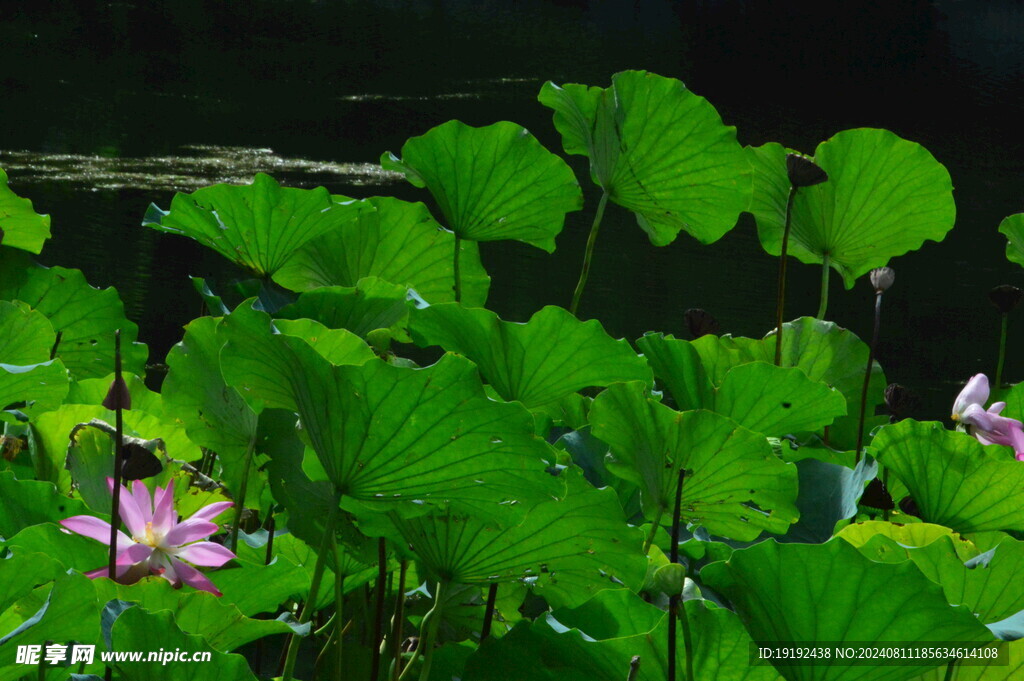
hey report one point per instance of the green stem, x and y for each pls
(492, 596)
(634, 668)
(378, 619)
(455, 266)
(654, 529)
(426, 637)
(339, 602)
(826, 268)
(432, 626)
(885, 487)
(676, 607)
(780, 305)
(115, 505)
(243, 488)
(950, 669)
(591, 240)
(399, 617)
(867, 377)
(1002, 352)
(314, 589)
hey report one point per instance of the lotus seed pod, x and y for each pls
(670, 579)
(1005, 297)
(803, 172)
(898, 399)
(882, 278)
(701, 323)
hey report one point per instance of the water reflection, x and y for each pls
(196, 166)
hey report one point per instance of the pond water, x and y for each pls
(108, 107)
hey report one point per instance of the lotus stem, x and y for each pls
(826, 267)
(950, 670)
(56, 344)
(428, 629)
(115, 505)
(589, 254)
(634, 668)
(292, 653)
(781, 303)
(885, 487)
(676, 607)
(492, 596)
(396, 624)
(378, 620)
(1002, 351)
(654, 529)
(243, 488)
(339, 603)
(455, 268)
(867, 376)
(270, 539)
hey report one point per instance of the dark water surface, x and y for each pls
(107, 107)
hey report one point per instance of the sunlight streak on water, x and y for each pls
(197, 166)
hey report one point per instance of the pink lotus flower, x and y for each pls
(987, 425)
(159, 544)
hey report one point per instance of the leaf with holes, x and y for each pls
(20, 226)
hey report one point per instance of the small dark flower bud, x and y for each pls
(118, 396)
(910, 507)
(701, 323)
(1005, 297)
(899, 400)
(882, 278)
(803, 172)
(876, 496)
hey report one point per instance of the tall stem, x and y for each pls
(378, 620)
(676, 607)
(399, 617)
(654, 529)
(314, 588)
(1002, 352)
(867, 376)
(339, 602)
(243, 489)
(115, 506)
(634, 668)
(591, 240)
(455, 267)
(492, 596)
(431, 638)
(781, 303)
(950, 668)
(826, 268)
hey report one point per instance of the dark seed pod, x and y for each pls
(882, 278)
(909, 506)
(803, 172)
(876, 496)
(899, 400)
(701, 323)
(118, 396)
(1005, 297)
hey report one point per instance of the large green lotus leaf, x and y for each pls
(599, 639)
(85, 317)
(40, 386)
(214, 415)
(757, 395)
(905, 535)
(337, 346)
(657, 149)
(828, 494)
(22, 227)
(219, 622)
(954, 479)
(256, 588)
(139, 629)
(885, 196)
(568, 549)
(491, 183)
(258, 226)
(72, 551)
(824, 351)
(30, 502)
(27, 375)
(21, 573)
(728, 468)
(549, 357)
(1013, 228)
(371, 306)
(799, 593)
(396, 241)
(386, 433)
(66, 612)
(988, 583)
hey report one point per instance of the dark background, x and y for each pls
(107, 107)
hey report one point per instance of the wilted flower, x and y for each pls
(159, 543)
(803, 172)
(701, 323)
(1005, 297)
(882, 278)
